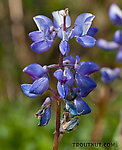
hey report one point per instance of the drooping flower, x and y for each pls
(40, 81)
(109, 75)
(115, 44)
(44, 114)
(115, 14)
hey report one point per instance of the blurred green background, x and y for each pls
(18, 126)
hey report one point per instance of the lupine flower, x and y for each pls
(40, 81)
(44, 114)
(73, 76)
(65, 81)
(83, 81)
(43, 39)
(81, 31)
(115, 14)
(115, 44)
(109, 75)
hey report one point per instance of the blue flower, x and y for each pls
(109, 75)
(82, 32)
(115, 14)
(83, 81)
(115, 44)
(65, 81)
(77, 106)
(40, 81)
(81, 106)
(43, 39)
(44, 114)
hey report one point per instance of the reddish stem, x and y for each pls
(58, 110)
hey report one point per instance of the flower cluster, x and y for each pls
(74, 81)
(115, 14)
(44, 38)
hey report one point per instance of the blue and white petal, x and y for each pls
(83, 18)
(86, 41)
(41, 20)
(59, 19)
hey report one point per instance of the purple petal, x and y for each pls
(118, 37)
(58, 19)
(86, 84)
(45, 118)
(103, 44)
(108, 75)
(34, 70)
(81, 106)
(41, 20)
(59, 74)
(62, 90)
(115, 14)
(36, 36)
(119, 55)
(87, 67)
(26, 89)
(39, 86)
(40, 47)
(86, 41)
(70, 77)
(92, 31)
(64, 47)
(85, 17)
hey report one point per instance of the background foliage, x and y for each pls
(18, 126)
